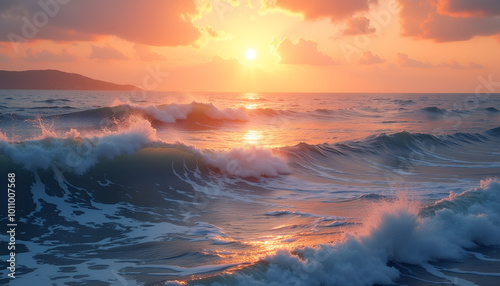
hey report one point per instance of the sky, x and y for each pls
(299, 46)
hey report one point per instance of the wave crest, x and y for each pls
(43, 153)
(395, 233)
(252, 162)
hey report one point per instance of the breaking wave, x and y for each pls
(401, 231)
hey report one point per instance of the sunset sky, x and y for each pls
(299, 46)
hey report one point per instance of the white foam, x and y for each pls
(393, 232)
(252, 162)
(173, 112)
(72, 133)
(208, 230)
(44, 153)
(3, 137)
(482, 257)
(456, 281)
(46, 132)
(227, 113)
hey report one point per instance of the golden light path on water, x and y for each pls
(287, 233)
(274, 121)
(271, 126)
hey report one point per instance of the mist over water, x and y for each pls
(254, 189)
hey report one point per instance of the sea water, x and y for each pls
(158, 188)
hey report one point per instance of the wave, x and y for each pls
(396, 232)
(78, 154)
(403, 102)
(200, 116)
(53, 100)
(53, 107)
(195, 111)
(492, 109)
(433, 110)
(49, 149)
(171, 113)
(398, 156)
(393, 143)
(302, 214)
(494, 132)
(252, 162)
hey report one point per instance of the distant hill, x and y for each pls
(55, 80)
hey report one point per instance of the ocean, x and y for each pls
(164, 188)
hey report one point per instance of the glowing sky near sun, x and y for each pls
(260, 45)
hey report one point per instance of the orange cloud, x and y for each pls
(429, 19)
(4, 58)
(106, 53)
(405, 61)
(46, 56)
(469, 8)
(456, 65)
(370, 59)
(150, 22)
(303, 52)
(358, 26)
(332, 9)
(215, 34)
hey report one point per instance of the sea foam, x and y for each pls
(171, 113)
(251, 162)
(79, 152)
(395, 232)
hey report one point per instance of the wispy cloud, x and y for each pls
(302, 52)
(106, 53)
(47, 56)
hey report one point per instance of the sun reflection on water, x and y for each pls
(252, 137)
(251, 96)
(252, 105)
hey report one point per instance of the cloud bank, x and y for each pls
(149, 22)
(446, 20)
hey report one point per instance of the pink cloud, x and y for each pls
(106, 53)
(4, 58)
(212, 32)
(150, 22)
(469, 8)
(473, 65)
(405, 61)
(456, 65)
(145, 54)
(436, 20)
(370, 59)
(332, 9)
(303, 52)
(358, 26)
(216, 34)
(47, 56)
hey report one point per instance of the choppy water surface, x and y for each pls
(253, 189)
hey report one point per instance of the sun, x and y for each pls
(251, 54)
